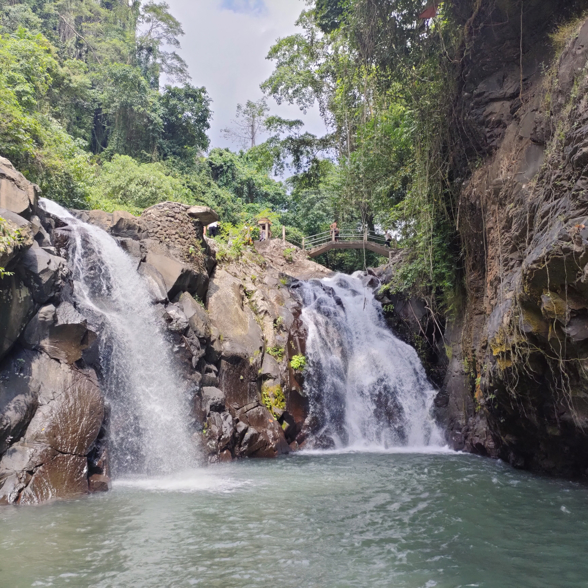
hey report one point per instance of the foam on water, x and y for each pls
(379, 449)
(187, 481)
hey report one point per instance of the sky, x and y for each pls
(225, 47)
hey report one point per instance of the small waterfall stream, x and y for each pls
(149, 425)
(366, 387)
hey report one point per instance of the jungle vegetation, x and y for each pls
(85, 113)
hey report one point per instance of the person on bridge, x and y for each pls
(334, 231)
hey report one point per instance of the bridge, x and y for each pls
(320, 243)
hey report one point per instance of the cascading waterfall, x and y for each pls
(149, 431)
(366, 387)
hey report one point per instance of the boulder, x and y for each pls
(62, 333)
(270, 440)
(16, 308)
(176, 320)
(16, 192)
(213, 400)
(18, 400)
(100, 218)
(14, 223)
(99, 483)
(51, 461)
(39, 233)
(251, 442)
(155, 282)
(270, 368)
(196, 314)
(204, 214)
(130, 246)
(125, 225)
(40, 272)
(177, 276)
(234, 321)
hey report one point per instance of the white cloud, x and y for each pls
(226, 52)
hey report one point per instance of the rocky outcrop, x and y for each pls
(233, 328)
(52, 412)
(17, 194)
(64, 410)
(253, 321)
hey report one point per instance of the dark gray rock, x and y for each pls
(204, 214)
(213, 400)
(41, 272)
(16, 192)
(16, 308)
(176, 320)
(270, 368)
(155, 282)
(18, 399)
(50, 461)
(60, 332)
(196, 315)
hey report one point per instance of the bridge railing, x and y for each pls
(344, 235)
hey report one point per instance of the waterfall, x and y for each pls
(149, 430)
(366, 387)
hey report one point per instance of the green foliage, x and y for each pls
(80, 77)
(233, 240)
(185, 113)
(329, 14)
(277, 352)
(298, 363)
(9, 238)
(383, 85)
(288, 252)
(273, 398)
(125, 183)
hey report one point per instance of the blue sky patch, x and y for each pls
(253, 7)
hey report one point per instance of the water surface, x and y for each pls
(347, 519)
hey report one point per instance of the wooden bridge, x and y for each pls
(318, 244)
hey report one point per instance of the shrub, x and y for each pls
(298, 363)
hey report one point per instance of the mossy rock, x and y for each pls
(553, 306)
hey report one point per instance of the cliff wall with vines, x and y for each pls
(517, 379)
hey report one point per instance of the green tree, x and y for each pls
(159, 29)
(185, 113)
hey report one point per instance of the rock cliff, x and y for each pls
(233, 328)
(511, 361)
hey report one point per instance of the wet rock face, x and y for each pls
(258, 407)
(51, 409)
(50, 460)
(16, 308)
(516, 381)
(61, 332)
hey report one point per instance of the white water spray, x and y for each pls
(366, 387)
(149, 427)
